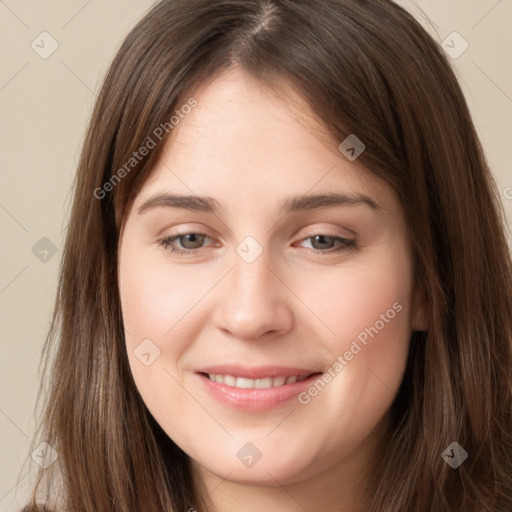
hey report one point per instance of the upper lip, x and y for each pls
(256, 372)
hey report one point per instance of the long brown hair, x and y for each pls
(366, 68)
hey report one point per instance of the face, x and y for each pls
(267, 333)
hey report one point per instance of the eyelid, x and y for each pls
(346, 232)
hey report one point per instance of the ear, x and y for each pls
(419, 319)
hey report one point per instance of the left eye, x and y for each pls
(190, 242)
(345, 243)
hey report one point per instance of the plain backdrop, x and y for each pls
(45, 102)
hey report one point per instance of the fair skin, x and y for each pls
(295, 305)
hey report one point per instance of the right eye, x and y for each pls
(194, 239)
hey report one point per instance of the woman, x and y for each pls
(210, 352)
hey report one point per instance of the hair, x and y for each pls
(364, 67)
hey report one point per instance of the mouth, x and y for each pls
(255, 389)
(263, 383)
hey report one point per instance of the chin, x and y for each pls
(264, 472)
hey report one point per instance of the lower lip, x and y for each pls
(255, 399)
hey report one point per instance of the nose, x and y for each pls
(254, 304)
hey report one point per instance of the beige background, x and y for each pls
(45, 104)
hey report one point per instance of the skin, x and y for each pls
(292, 306)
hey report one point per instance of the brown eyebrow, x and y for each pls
(291, 204)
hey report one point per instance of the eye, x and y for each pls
(321, 243)
(192, 242)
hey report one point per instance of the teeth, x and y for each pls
(229, 380)
(268, 382)
(263, 383)
(244, 383)
(278, 381)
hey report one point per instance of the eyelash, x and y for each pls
(347, 244)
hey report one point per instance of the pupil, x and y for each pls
(322, 239)
(191, 238)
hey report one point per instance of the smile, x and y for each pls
(254, 389)
(264, 383)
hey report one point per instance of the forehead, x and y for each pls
(234, 99)
(241, 141)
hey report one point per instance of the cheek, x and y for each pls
(162, 307)
(367, 308)
(155, 301)
(359, 297)
(156, 298)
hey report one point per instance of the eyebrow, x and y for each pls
(291, 204)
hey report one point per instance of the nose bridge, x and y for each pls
(254, 302)
(252, 282)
